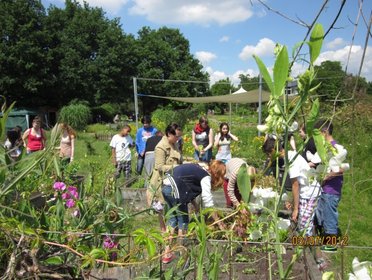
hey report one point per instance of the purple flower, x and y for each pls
(59, 186)
(70, 203)
(66, 195)
(73, 191)
(108, 243)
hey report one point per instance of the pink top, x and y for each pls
(35, 142)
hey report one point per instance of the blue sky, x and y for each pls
(223, 34)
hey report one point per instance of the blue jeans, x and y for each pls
(140, 161)
(327, 214)
(178, 217)
(206, 157)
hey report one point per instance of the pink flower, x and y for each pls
(73, 191)
(108, 243)
(66, 195)
(70, 203)
(59, 186)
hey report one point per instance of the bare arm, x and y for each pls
(72, 148)
(194, 140)
(210, 136)
(296, 198)
(216, 140)
(233, 137)
(113, 155)
(43, 136)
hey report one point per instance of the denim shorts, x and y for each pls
(327, 214)
(179, 218)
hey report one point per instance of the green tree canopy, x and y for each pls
(23, 57)
(165, 54)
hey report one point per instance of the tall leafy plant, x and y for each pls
(281, 114)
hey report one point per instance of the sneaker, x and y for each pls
(157, 206)
(168, 258)
(328, 249)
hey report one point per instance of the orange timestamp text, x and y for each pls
(328, 240)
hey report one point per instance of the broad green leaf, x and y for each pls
(98, 253)
(151, 248)
(313, 116)
(55, 260)
(265, 74)
(281, 68)
(320, 145)
(244, 183)
(316, 42)
(158, 237)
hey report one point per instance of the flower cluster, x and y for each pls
(69, 194)
(108, 243)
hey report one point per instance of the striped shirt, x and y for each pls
(232, 168)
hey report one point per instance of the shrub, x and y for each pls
(76, 115)
(164, 116)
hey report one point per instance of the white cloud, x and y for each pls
(354, 62)
(110, 6)
(203, 12)
(336, 43)
(205, 57)
(214, 75)
(235, 77)
(224, 39)
(264, 47)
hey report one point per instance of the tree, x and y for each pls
(23, 56)
(91, 56)
(165, 54)
(221, 87)
(251, 83)
(331, 76)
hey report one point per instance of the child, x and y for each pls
(222, 142)
(143, 134)
(121, 154)
(305, 191)
(326, 212)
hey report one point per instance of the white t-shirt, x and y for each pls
(300, 169)
(121, 146)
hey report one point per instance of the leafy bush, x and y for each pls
(163, 116)
(76, 115)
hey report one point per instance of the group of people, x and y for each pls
(315, 201)
(34, 139)
(203, 141)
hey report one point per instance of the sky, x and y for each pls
(224, 34)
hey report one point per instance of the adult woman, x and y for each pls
(202, 139)
(67, 144)
(34, 138)
(166, 156)
(222, 142)
(231, 189)
(182, 185)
